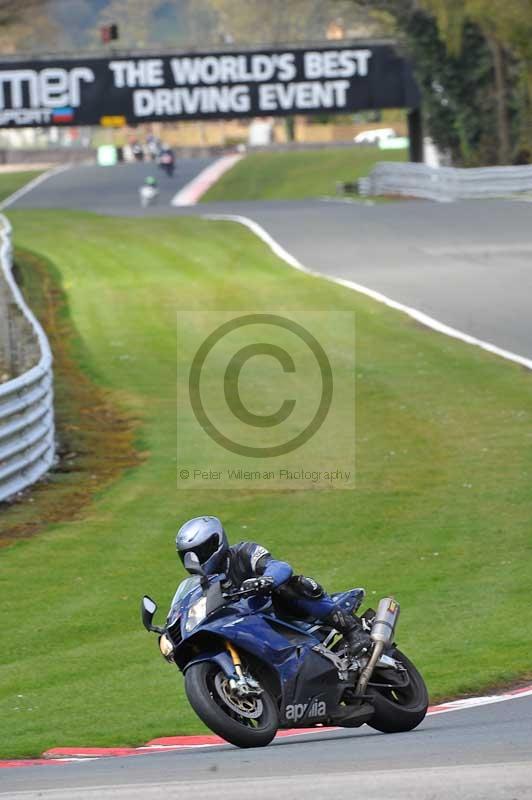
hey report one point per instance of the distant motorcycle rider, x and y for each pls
(248, 565)
(148, 192)
(167, 160)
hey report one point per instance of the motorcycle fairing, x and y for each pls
(219, 657)
(306, 679)
(309, 687)
(254, 635)
(313, 694)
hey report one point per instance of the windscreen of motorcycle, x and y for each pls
(185, 588)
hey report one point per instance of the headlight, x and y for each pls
(165, 646)
(196, 613)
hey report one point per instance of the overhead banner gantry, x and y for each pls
(122, 89)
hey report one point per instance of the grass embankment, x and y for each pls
(297, 175)
(10, 182)
(440, 516)
(95, 439)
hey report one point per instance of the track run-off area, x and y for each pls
(465, 265)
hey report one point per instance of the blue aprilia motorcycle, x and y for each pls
(250, 670)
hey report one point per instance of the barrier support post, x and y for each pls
(415, 134)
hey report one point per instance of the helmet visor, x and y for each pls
(203, 551)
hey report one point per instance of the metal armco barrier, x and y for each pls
(26, 402)
(445, 183)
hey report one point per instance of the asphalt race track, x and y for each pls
(468, 264)
(112, 190)
(471, 753)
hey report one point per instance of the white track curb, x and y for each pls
(31, 185)
(419, 316)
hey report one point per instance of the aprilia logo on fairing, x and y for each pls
(297, 711)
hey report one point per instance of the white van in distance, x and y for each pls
(374, 136)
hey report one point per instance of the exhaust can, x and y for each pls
(385, 621)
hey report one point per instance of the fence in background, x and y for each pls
(26, 395)
(445, 183)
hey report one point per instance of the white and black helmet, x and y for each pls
(204, 536)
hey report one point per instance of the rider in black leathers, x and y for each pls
(249, 565)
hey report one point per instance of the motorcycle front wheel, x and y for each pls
(398, 707)
(245, 722)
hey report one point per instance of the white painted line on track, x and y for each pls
(32, 185)
(414, 313)
(191, 193)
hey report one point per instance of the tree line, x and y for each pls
(472, 58)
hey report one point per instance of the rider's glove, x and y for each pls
(259, 585)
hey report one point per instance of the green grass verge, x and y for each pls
(10, 182)
(440, 516)
(296, 175)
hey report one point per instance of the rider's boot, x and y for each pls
(354, 634)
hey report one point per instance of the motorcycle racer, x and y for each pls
(148, 192)
(249, 565)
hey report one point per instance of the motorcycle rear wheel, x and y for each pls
(402, 709)
(224, 719)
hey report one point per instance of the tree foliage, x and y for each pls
(473, 59)
(24, 25)
(507, 30)
(204, 23)
(457, 91)
(12, 11)
(135, 19)
(277, 21)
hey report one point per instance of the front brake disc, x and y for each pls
(250, 707)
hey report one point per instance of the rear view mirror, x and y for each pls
(149, 604)
(147, 609)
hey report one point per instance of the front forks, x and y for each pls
(243, 685)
